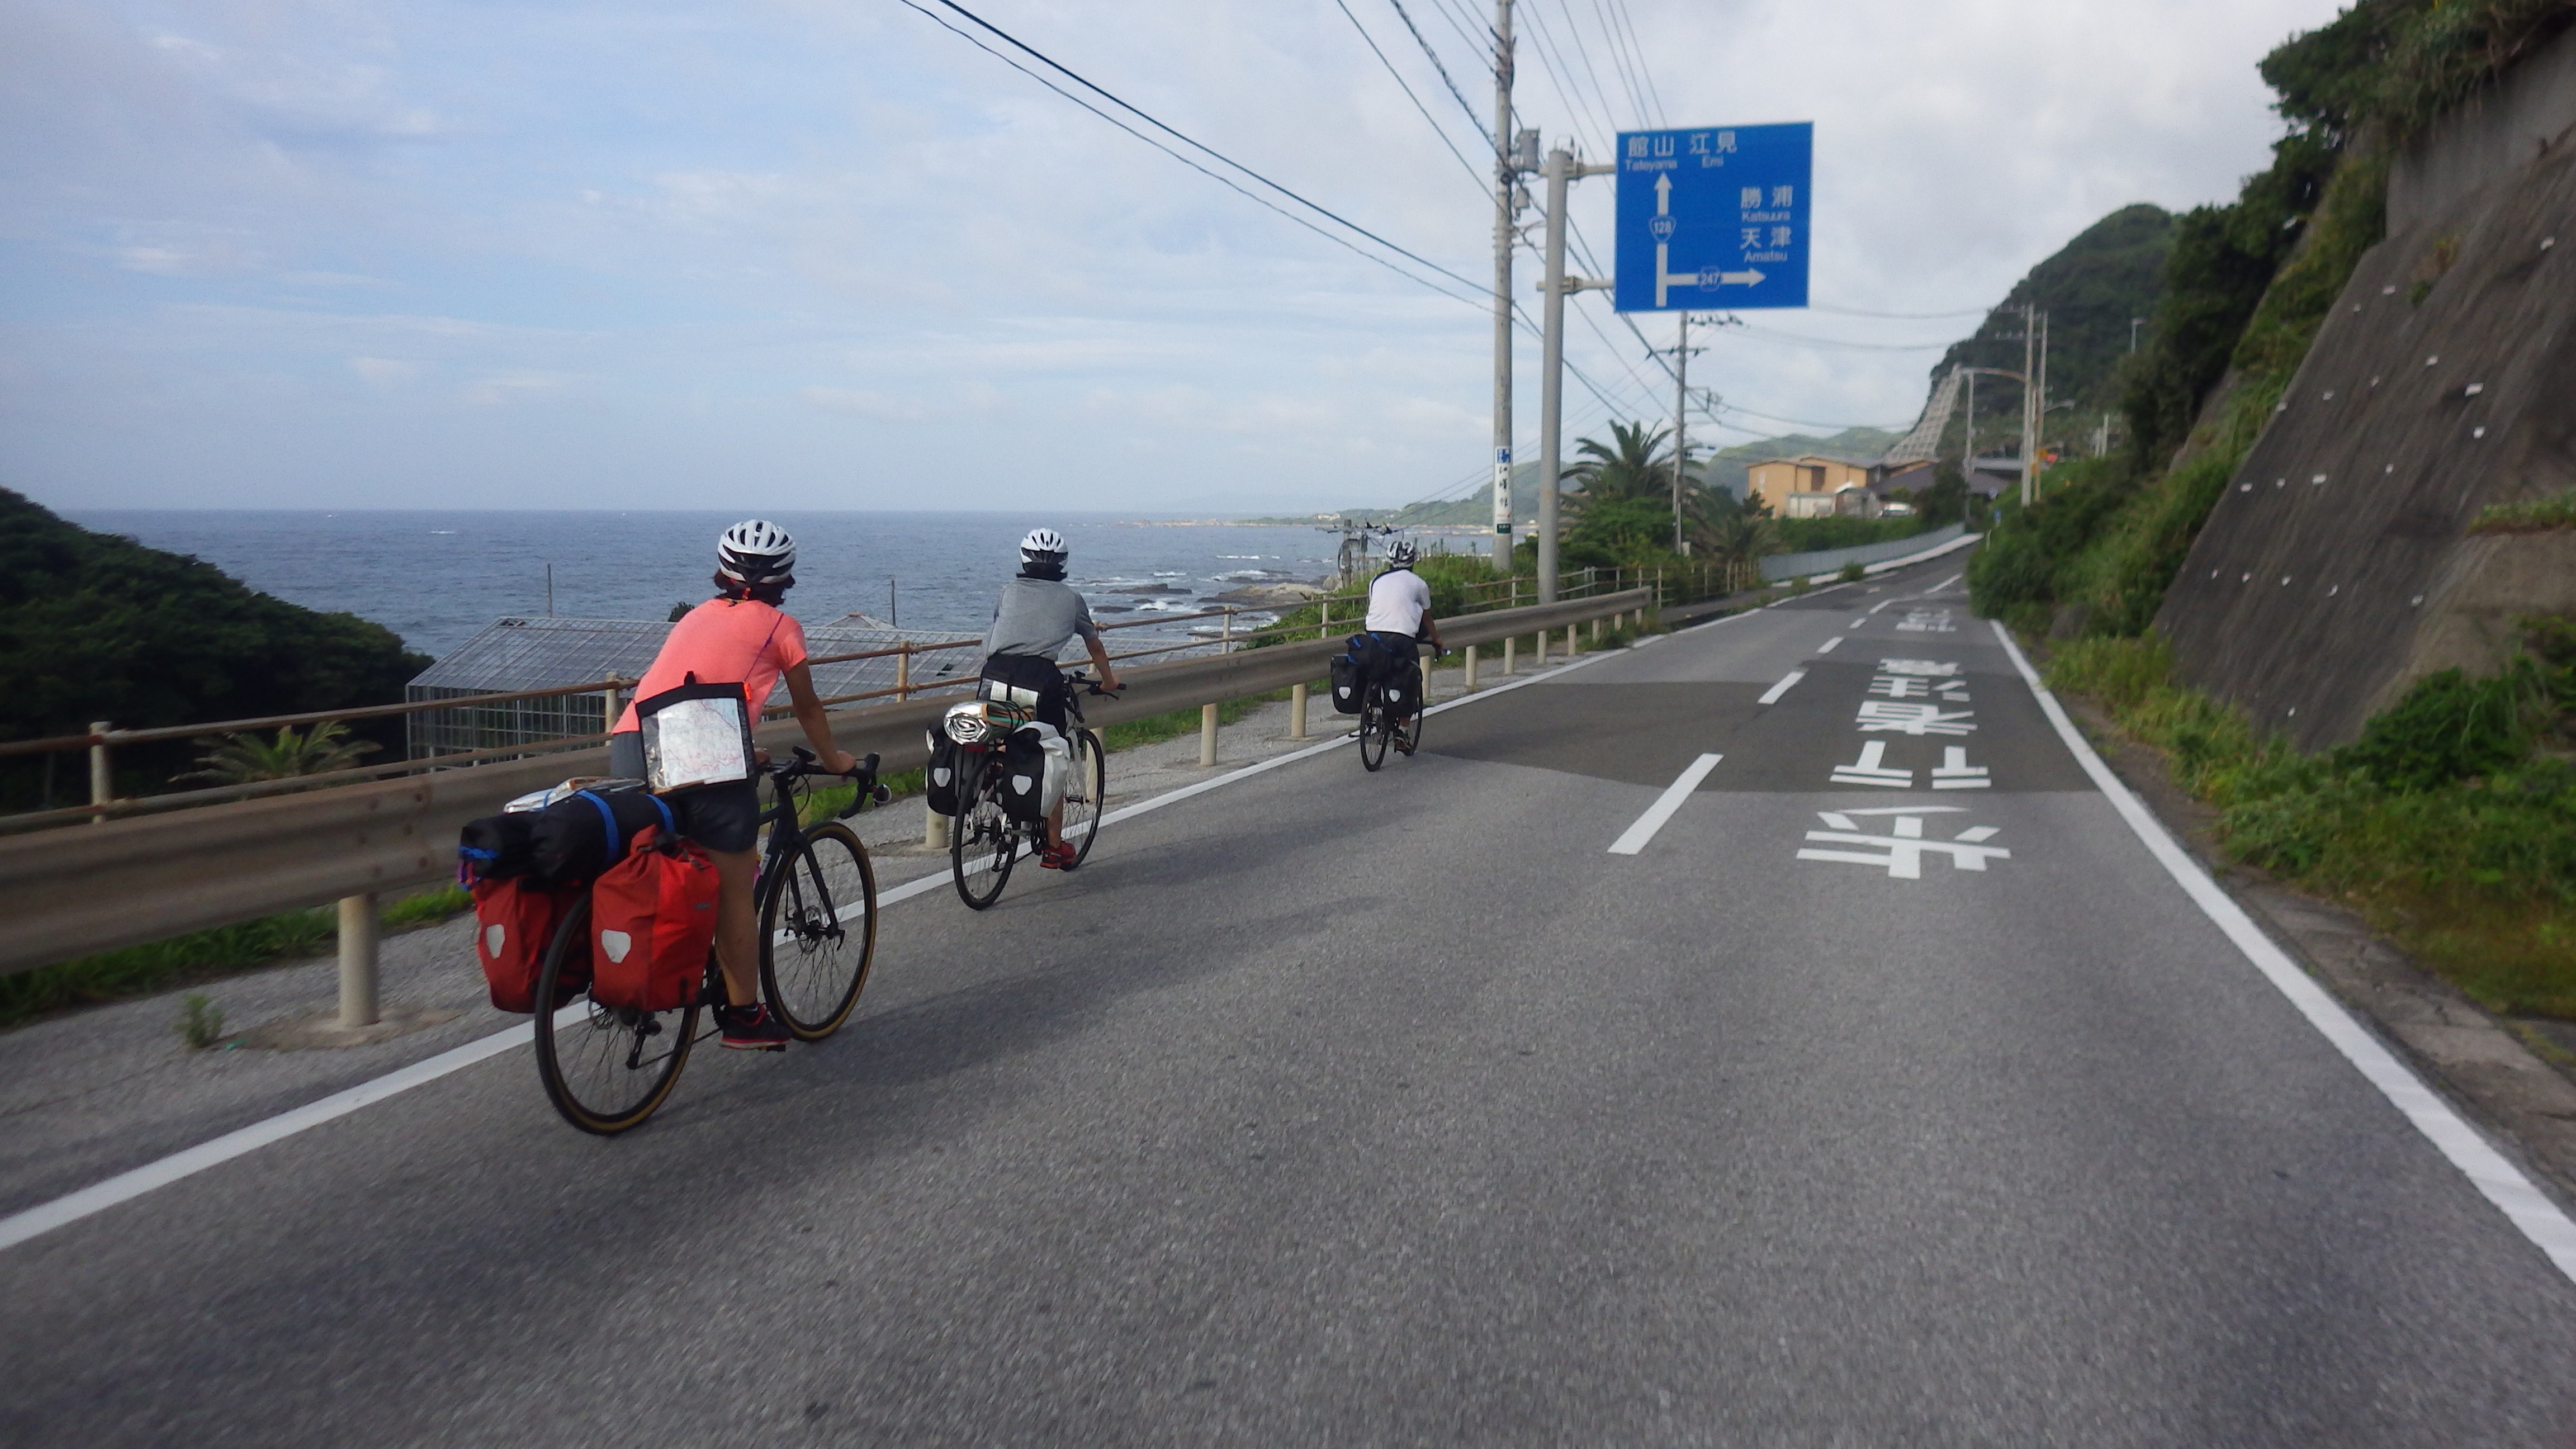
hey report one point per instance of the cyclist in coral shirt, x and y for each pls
(740, 634)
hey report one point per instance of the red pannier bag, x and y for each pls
(652, 921)
(514, 921)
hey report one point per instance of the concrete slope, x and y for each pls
(2336, 570)
(1335, 1108)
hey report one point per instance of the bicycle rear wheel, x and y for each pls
(1085, 796)
(983, 840)
(605, 1068)
(1374, 732)
(818, 932)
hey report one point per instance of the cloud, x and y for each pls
(642, 236)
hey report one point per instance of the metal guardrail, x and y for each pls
(69, 893)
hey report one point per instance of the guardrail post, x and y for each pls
(1207, 734)
(1471, 669)
(1427, 662)
(934, 828)
(1511, 651)
(1296, 711)
(102, 779)
(903, 669)
(1539, 639)
(1225, 638)
(358, 961)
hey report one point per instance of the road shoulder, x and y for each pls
(2490, 1066)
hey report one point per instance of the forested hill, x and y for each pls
(2111, 272)
(94, 626)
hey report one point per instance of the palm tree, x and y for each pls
(1633, 464)
(238, 759)
(1738, 540)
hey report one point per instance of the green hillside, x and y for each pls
(95, 626)
(2111, 272)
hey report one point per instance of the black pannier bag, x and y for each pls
(1399, 683)
(940, 780)
(497, 847)
(1022, 762)
(585, 833)
(1351, 670)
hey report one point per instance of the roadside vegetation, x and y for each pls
(2450, 824)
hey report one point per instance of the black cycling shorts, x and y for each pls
(1040, 677)
(723, 818)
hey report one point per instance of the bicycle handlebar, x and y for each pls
(870, 791)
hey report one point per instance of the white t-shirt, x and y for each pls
(1398, 603)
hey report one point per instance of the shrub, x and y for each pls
(1853, 572)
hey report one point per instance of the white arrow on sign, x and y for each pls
(1666, 279)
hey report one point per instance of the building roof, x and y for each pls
(515, 654)
(1811, 459)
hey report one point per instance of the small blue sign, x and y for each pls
(1714, 219)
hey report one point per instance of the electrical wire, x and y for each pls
(1436, 129)
(1901, 316)
(1637, 58)
(1318, 208)
(1434, 57)
(1767, 335)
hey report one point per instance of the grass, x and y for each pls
(1172, 724)
(2537, 515)
(2460, 848)
(201, 1022)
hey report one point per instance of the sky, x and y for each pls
(787, 253)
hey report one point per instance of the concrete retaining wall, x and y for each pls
(2336, 569)
(1829, 560)
(2493, 137)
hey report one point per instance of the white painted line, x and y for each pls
(1945, 583)
(45, 1217)
(1772, 695)
(1636, 836)
(1828, 646)
(1881, 604)
(125, 1186)
(2498, 1180)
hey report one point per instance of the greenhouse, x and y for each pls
(516, 655)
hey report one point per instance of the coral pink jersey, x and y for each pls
(720, 641)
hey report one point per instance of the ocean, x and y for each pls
(437, 578)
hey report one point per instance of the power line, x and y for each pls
(1434, 57)
(1767, 335)
(1902, 316)
(1637, 57)
(1436, 129)
(1317, 207)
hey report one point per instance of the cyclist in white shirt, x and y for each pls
(1399, 611)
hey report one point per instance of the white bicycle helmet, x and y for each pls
(1403, 553)
(756, 551)
(1042, 545)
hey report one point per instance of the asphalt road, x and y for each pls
(1339, 1108)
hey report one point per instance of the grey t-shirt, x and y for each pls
(1038, 616)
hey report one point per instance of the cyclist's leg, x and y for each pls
(724, 820)
(1052, 713)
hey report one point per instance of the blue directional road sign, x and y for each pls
(1714, 218)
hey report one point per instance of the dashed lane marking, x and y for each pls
(1772, 695)
(1634, 838)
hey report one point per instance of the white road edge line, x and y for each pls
(1945, 583)
(1635, 837)
(2529, 1210)
(1828, 646)
(1772, 695)
(1881, 604)
(125, 1186)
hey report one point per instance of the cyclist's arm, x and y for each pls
(1100, 661)
(809, 713)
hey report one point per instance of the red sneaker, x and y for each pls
(1058, 857)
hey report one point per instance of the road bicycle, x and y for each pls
(984, 841)
(606, 1068)
(1381, 726)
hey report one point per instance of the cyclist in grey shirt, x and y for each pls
(1038, 615)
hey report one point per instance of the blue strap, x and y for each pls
(608, 821)
(670, 826)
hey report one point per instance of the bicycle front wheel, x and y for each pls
(1085, 795)
(983, 840)
(1375, 729)
(605, 1068)
(818, 932)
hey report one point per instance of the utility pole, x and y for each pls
(1681, 418)
(2029, 399)
(1506, 181)
(1968, 444)
(1560, 169)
